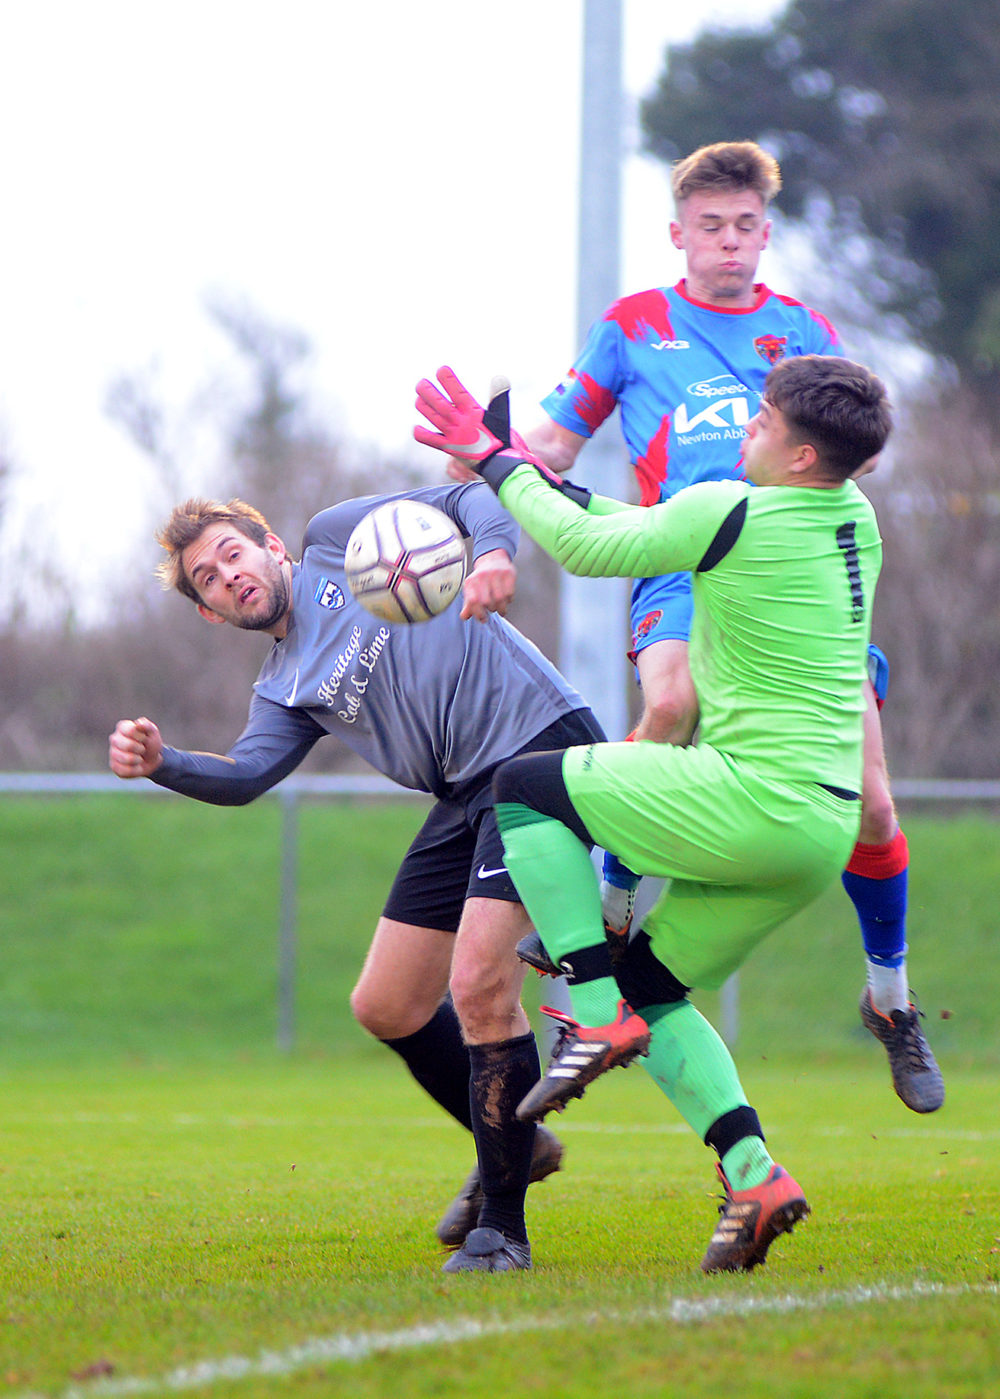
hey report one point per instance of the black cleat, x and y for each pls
(531, 950)
(462, 1215)
(915, 1074)
(489, 1251)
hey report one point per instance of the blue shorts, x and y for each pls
(661, 610)
(878, 673)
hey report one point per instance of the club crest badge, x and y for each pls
(327, 594)
(646, 625)
(770, 347)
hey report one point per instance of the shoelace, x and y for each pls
(565, 1033)
(724, 1198)
(913, 1040)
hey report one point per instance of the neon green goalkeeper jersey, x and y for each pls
(783, 582)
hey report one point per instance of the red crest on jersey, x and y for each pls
(771, 347)
(647, 624)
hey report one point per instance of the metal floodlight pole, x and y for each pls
(594, 611)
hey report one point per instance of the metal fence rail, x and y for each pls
(363, 785)
(301, 784)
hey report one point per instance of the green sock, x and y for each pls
(554, 876)
(558, 886)
(747, 1163)
(687, 1059)
(692, 1065)
(595, 1002)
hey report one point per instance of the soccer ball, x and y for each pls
(405, 561)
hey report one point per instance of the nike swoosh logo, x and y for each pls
(290, 697)
(483, 873)
(483, 444)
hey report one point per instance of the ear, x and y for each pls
(805, 460)
(676, 235)
(209, 615)
(275, 546)
(766, 233)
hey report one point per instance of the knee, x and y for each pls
(385, 1019)
(668, 717)
(486, 1001)
(643, 979)
(507, 785)
(527, 777)
(878, 813)
(366, 1012)
(476, 995)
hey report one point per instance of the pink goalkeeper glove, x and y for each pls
(481, 440)
(465, 430)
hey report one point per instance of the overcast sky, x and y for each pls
(397, 180)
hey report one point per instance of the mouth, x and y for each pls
(247, 594)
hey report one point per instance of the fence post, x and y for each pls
(729, 1009)
(288, 917)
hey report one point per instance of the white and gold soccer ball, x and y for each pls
(405, 561)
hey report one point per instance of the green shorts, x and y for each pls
(743, 852)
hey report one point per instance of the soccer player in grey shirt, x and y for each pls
(436, 707)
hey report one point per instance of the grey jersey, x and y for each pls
(428, 705)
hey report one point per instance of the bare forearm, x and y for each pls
(556, 446)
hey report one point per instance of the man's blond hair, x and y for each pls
(725, 166)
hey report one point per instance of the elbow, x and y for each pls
(232, 794)
(243, 798)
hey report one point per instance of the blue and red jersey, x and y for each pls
(687, 378)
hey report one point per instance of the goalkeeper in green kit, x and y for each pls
(754, 822)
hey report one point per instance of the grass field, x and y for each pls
(184, 1209)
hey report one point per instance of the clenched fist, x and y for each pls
(135, 749)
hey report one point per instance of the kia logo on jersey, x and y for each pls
(726, 414)
(771, 347)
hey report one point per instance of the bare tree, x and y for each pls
(936, 608)
(268, 446)
(63, 686)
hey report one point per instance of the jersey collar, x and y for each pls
(761, 294)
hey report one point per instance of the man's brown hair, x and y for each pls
(727, 165)
(188, 522)
(840, 408)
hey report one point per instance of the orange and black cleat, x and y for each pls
(750, 1221)
(582, 1054)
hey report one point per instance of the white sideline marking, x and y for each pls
(656, 1129)
(248, 1121)
(361, 1345)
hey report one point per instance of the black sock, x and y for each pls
(438, 1058)
(502, 1074)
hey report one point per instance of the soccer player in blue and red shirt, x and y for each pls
(685, 365)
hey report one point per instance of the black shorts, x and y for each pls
(457, 853)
